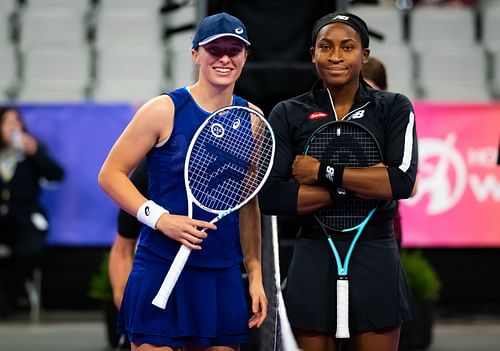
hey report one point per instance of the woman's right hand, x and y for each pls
(187, 231)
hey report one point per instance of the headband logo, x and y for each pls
(341, 17)
(238, 30)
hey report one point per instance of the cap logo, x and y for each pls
(238, 30)
(341, 17)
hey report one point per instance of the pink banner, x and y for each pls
(458, 198)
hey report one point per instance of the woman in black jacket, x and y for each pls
(378, 293)
(24, 161)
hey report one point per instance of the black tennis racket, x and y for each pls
(228, 161)
(348, 144)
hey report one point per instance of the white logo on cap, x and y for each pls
(238, 30)
(341, 17)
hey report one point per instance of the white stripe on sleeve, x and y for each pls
(408, 148)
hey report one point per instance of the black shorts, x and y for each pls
(378, 292)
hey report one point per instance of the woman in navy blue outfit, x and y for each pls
(207, 309)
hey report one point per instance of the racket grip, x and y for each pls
(171, 278)
(342, 309)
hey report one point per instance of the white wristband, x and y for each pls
(149, 213)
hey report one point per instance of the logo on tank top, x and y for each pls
(317, 115)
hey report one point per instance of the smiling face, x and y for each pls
(338, 55)
(221, 61)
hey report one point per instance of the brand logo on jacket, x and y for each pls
(317, 115)
(358, 114)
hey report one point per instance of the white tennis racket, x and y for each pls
(228, 161)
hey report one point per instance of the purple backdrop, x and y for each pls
(79, 136)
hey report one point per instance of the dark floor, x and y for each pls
(85, 331)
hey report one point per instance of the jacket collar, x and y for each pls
(363, 94)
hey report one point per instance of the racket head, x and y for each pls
(351, 145)
(229, 159)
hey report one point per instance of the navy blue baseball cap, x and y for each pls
(218, 26)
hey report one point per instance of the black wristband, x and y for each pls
(330, 176)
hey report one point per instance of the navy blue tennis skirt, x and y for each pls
(207, 306)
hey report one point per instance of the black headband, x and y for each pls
(344, 17)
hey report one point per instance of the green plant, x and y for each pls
(100, 286)
(422, 278)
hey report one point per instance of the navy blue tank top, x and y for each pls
(166, 187)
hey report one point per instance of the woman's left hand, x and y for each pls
(305, 169)
(259, 305)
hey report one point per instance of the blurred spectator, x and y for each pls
(375, 75)
(24, 161)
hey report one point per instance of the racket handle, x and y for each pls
(171, 278)
(342, 309)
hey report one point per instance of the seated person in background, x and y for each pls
(24, 161)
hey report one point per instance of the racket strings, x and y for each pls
(351, 146)
(229, 159)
